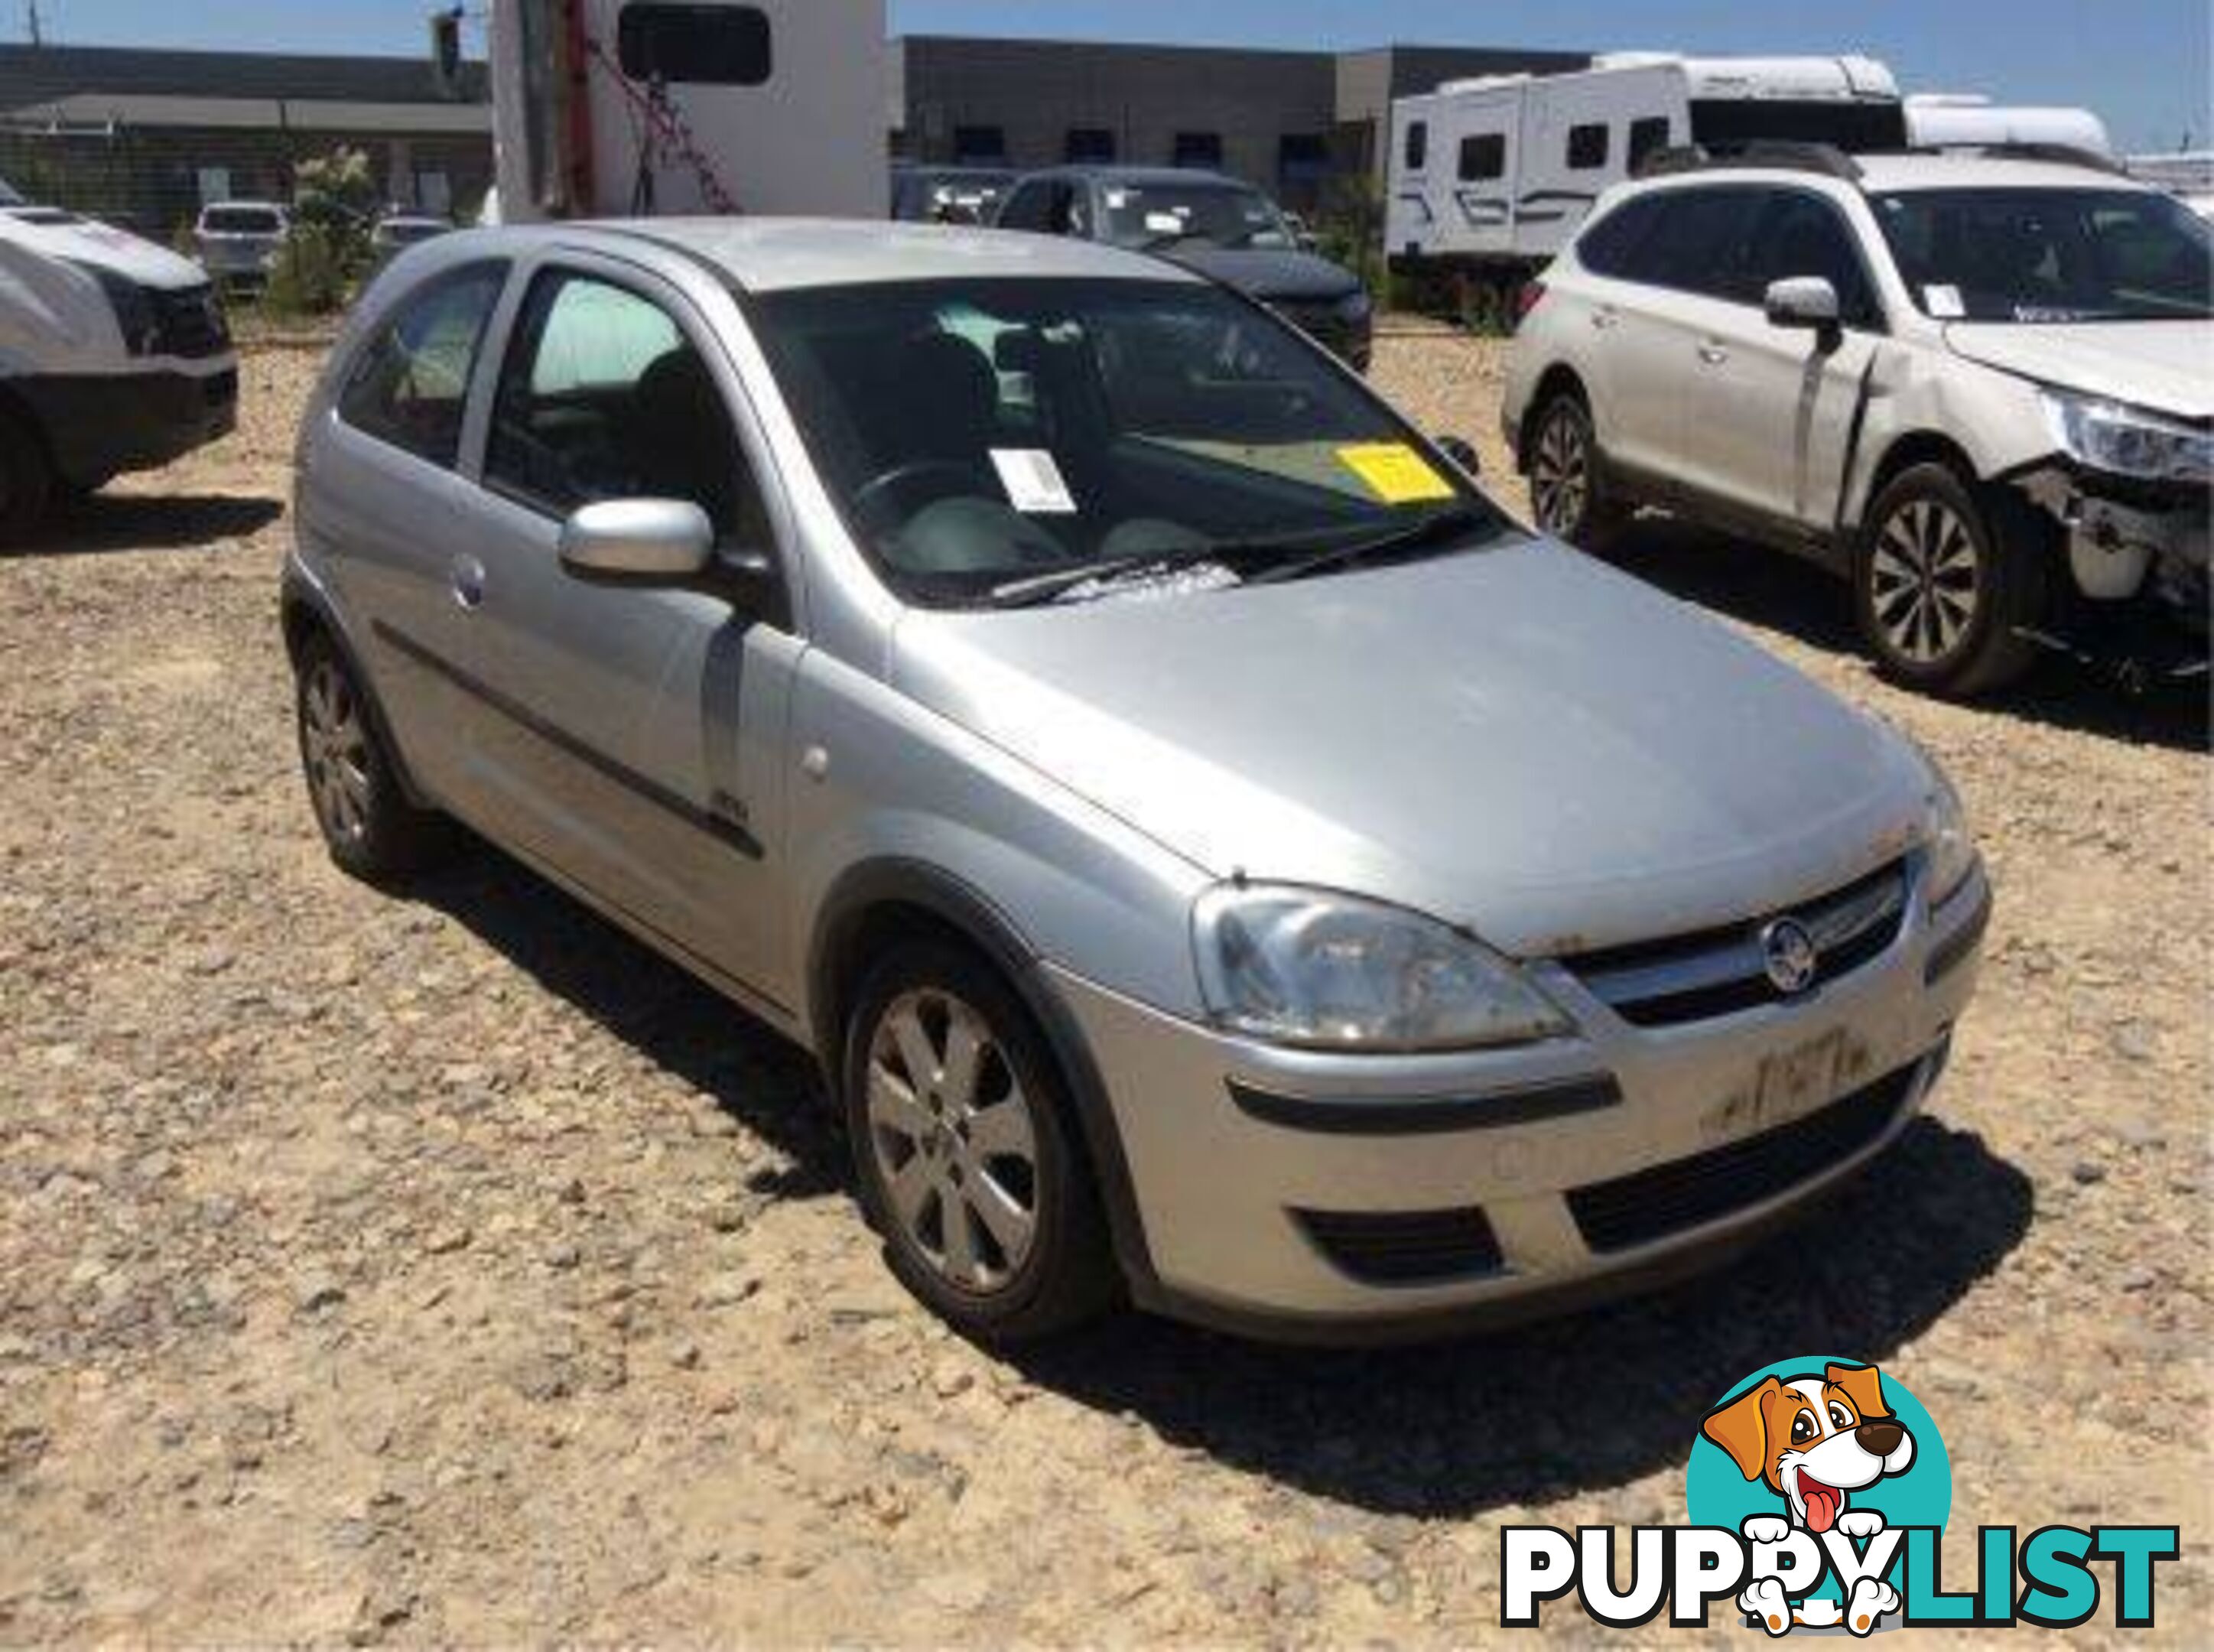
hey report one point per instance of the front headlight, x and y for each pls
(2126, 441)
(1946, 836)
(1327, 971)
(133, 308)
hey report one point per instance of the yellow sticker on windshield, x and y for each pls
(1395, 473)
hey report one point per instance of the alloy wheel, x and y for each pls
(334, 743)
(954, 1140)
(1560, 473)
(1926, 581)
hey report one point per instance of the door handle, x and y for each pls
(1713, 354)
(467, 576)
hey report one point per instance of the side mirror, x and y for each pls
(1461, 451)
(1803, 301)
(658, 542)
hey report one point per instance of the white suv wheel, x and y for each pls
(1926, 581)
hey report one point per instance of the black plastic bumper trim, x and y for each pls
(1495, 1109)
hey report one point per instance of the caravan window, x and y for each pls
(1483, 157)
(1418, 146)
(695, 45)
(1587, 146)
(1646, 138)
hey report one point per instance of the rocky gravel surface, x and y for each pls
(438, 1266)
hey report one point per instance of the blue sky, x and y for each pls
(2144, 65)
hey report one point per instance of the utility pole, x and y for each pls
(38, 30)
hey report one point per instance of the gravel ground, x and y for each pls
(443, 1267)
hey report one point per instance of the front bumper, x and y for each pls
(2138, 556)
(101, 426)
(1323, 1197)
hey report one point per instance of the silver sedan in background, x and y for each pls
(1220, 859)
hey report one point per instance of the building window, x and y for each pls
(1199, 150)
(695, 45)
(1647, 137)
(1418, 146)
(1302, 156)
(1587, 147)
(214, 184)
(1090, 145)
(980, 146)
(1483, 155)
(434, 192)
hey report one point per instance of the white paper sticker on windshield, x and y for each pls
(1162, 224)
(1033, 482)
(1943, 301)
(1117, 199)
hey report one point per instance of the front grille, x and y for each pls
(188, 323)
(1722, 971)
(1417, 1247)
(1649, 1205)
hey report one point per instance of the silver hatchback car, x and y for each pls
(1220, 860)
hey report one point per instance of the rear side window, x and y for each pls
(1613, 246)
(410, 384)
(695, 45)
(1483, 155)
(1418, 146)
(1587, 146)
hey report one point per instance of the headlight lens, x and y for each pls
(134, 310)
(1322, 971)
(2127, 441)
(1951, 846)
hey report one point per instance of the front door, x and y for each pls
(639, 747)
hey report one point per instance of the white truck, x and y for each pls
(639, 108)
(1491, 177)
(114, 357)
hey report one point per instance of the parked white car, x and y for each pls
(237, 241)
(1977, 385)
(114, 357)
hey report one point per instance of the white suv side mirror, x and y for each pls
(648, 540)
(1807, 301)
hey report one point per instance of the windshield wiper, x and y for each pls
(1042, 588)
(1452, 523)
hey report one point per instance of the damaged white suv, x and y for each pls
(1980, 386)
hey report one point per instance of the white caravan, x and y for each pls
(1941, 120)
(639, 108)
(1497, 173)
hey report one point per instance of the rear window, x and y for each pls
(242, 221)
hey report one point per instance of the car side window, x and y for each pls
(1800, 233)
(409, 386)
(603, 397)
(1697, 240)
(1027, 208)
(1612, 247)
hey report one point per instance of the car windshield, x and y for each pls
(1162, 214)
(241, 221)
(997, 443)
(2050, 255)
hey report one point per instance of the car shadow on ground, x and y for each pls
(749, 1071)
(1778, 592)
(148, 522)
(1598, 1399)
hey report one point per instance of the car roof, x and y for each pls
(1132, 174)
(1887, 174)
(770, 254)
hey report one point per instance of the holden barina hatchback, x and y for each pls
(1221, 861)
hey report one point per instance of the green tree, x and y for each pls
(324, 258)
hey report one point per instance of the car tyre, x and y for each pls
(27, 482)
(372, 832)
(965, 1154)
(1945, 581)
(1570, 496)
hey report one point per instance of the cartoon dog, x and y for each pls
(1815, 1440)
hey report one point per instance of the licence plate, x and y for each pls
(1788, 1085)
